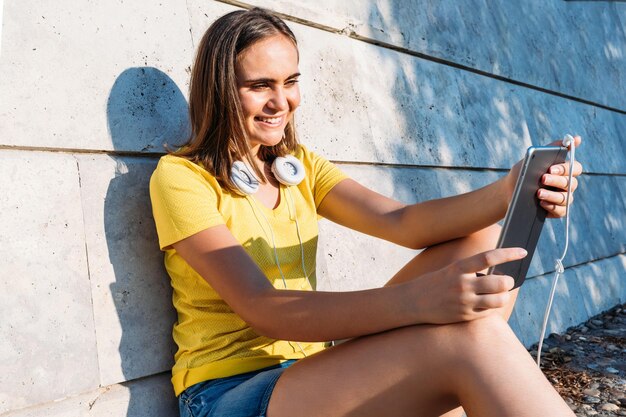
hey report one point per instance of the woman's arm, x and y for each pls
(418, 225)
(449, 295)
(425, 224)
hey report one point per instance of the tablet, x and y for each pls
(525, 217)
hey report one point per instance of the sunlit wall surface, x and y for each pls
(417, 100)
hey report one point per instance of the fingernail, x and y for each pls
(555, 170)
(542, 194)
(522, 252)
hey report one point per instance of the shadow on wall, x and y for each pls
(145, 107)
(445, 116)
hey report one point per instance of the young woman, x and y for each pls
(240, 249)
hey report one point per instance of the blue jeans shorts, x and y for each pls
(245, 395)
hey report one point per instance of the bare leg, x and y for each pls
(423, 370)
(438, 256)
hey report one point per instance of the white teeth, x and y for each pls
(273, 120)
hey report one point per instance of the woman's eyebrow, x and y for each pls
(270, 80)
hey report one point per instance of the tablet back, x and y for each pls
(525, 217)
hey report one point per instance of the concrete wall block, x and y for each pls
(535, 38)
(568, 308)
(47, 330)
(603, 283)
(131, 292)
(583, 291)
(145, 397)
(102, 75)
(597, 226)
(202, 14)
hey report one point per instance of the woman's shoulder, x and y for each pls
(173, 169)
(174, 164)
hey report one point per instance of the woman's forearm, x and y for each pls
(444, 219)
(322, 316)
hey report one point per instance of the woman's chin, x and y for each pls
(268, 141)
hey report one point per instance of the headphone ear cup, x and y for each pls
(288, 170)
(244, 179)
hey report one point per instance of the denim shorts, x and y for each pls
(245, 395)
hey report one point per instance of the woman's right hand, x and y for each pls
(455, 293)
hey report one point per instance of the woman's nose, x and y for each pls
(278, 100)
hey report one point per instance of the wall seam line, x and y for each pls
(591, 261)
(157, 155)
(353, 35)
(93, 313)
(193, 47)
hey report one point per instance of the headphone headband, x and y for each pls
(288, 170)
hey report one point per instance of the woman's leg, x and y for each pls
(438, 256)
(423, 370)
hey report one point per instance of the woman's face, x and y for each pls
(267, 82)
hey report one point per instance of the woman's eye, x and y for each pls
(292, 82)
(259, 86)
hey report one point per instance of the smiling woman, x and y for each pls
(267, 82)
(236, 210)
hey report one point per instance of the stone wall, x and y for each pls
(416, 102)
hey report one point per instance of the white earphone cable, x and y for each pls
(306, 275)
(282, 275)
(280, 271)
(559, 269)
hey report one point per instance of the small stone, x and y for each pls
(592, 366)
(591, 400)
(597, 322)
(568, 337)
(592, 392)
(582, 338)
(621, 412)
(612, 347)
(584, 329)
(595, 385)
(622, 401)
(612, 370)
(609, 407)
(554, 350)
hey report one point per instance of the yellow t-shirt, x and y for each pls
(213, 342)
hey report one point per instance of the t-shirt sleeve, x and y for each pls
(184, 201)
(325, 175)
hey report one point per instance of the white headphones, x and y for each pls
(288, 170)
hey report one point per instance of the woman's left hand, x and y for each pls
(554, 199)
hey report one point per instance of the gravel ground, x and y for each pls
(587, 365)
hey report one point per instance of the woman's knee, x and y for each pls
(458, 341)
(485, 239)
